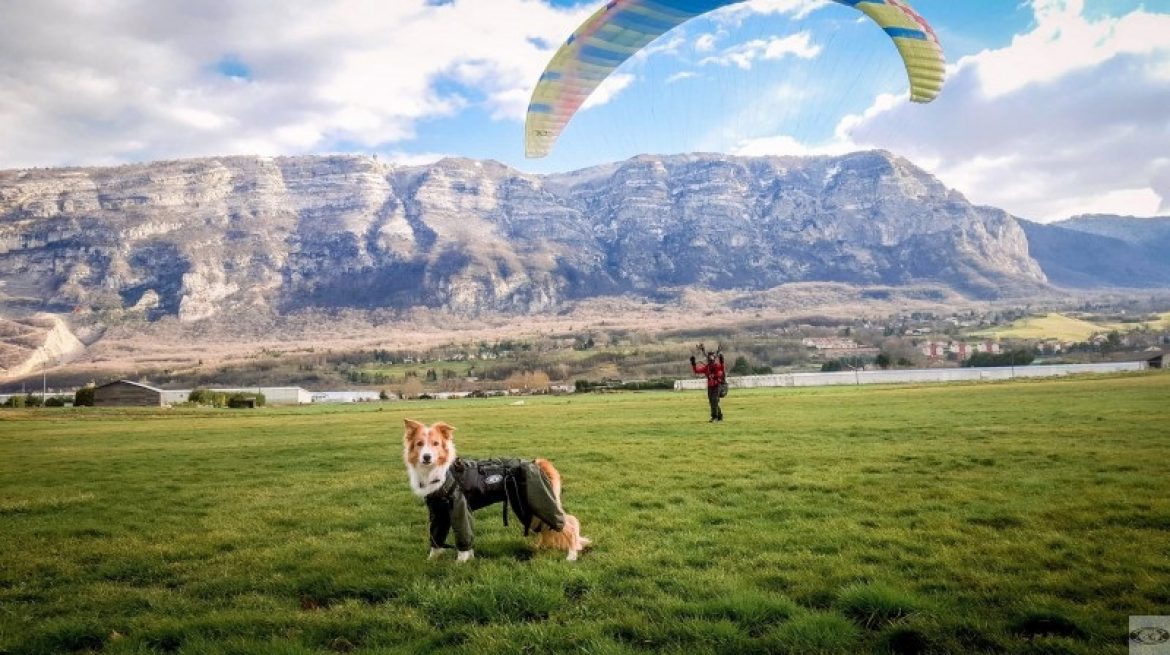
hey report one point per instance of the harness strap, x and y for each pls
(512, 493)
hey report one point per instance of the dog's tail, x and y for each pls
(554, 479)
(568, 538)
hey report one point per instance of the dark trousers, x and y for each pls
(713, 398)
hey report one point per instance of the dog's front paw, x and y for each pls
(435, 553)
(465, 556)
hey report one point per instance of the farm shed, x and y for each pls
(1153, 357)
(124, 393)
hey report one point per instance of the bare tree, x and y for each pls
(412, 388)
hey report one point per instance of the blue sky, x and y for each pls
(675, 103)
(1052, 108)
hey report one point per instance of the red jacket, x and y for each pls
(715, 372)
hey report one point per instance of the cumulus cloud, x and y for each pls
(608, 89)
(669, 44)
(784, 144)
(1071, 117)
(744, 55)
(795, 8)
(680, 76)
(415, 158)
(93, 83)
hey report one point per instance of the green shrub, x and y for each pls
(241, 399)
(83, 397)
(223, 399)
(1019, 357)
(844, 364)
(645, 385)
(741, 366)
(201, 397)
(585, 386)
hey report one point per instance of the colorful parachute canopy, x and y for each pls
(623, 27)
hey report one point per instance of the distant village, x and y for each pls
(614, 359)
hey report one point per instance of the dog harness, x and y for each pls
(472, 484)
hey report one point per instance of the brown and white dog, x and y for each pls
(429, 452)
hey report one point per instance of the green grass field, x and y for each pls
(1024, 517)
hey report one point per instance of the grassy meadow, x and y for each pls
(1053, 326)
(1068, 328)
(1023, 517)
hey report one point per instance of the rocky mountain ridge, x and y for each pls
(200, 239)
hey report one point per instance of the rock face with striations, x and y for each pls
(197, 238)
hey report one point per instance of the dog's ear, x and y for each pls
(412, 428)
(443, 429)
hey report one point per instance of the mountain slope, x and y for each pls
(204, 238)
(1090, 256)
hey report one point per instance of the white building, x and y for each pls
(344, 396)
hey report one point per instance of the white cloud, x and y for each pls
(1160, 181)
(786, 145)
(745, 54)
(1126, 202)
(124, 80)
(1070, 117)
(608, 90)
(796, 8)
(1064, 42)
(414, 159)
(668, 44)
(680, 76)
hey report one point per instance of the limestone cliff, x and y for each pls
(200, 239)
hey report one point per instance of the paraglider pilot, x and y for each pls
(716, 374)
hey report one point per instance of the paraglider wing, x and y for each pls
(623, 27)
(595, 49)
(916, 42)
